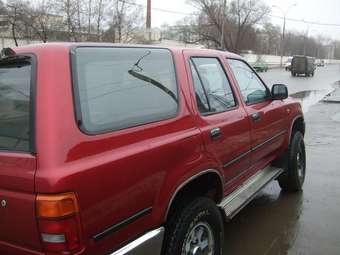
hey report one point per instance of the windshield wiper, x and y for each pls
(153, 82)
(135, 72)
(139, 60)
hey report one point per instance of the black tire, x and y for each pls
(294, 176)
(200, 211)
(307, 74)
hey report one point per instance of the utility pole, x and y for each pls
(283, 41)
(148, 19)
(223, 20)
(305, 38)
(283, 29)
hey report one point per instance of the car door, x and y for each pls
(267, 117)
(223, 123)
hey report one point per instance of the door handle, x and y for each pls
(256, 116)
(215, 133)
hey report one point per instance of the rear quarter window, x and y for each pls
(119, 88)
(15, 104)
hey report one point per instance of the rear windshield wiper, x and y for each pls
(135, 72)
(153, 82)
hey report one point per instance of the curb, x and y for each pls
(331, 98)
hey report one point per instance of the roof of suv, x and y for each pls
(67, 45)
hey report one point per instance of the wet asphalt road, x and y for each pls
(324, 76)
(308, 222)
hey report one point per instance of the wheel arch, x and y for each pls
(298, 124)
(212, 182)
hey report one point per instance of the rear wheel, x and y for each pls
(294, 176)
(195, 229)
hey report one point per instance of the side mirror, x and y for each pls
(279, 92)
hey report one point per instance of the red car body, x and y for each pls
(125, 181)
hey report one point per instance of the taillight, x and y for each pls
(59, 223)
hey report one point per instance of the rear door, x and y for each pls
(267, 117)
(18, 227)
(223, 123)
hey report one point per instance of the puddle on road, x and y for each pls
(268, 225)
(309, 98)
(336, 117)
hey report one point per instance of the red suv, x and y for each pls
(111, 149)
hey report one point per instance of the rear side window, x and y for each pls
(15, 104)
(124, 87)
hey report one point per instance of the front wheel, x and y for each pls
(294, 176)
(195, 229)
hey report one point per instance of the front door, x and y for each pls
(267, 117)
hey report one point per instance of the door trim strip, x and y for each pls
(242, 155)
(121, 224)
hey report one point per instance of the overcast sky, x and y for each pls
(322, 11)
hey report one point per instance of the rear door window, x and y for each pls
(15, 104)
(212, 88)
(119, 88)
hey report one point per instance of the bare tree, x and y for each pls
(77, 20)
(89, 14)
(269, 39)
(78, 16)
(126, 20)
(239, 19)
(119, 16)
(32, 19)
(37, 17)
(13, 17)
(209, 21)
(99, 14)
(246, 13)
(69, 10)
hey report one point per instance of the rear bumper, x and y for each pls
(149, 243)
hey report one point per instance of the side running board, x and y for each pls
(238, 199)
